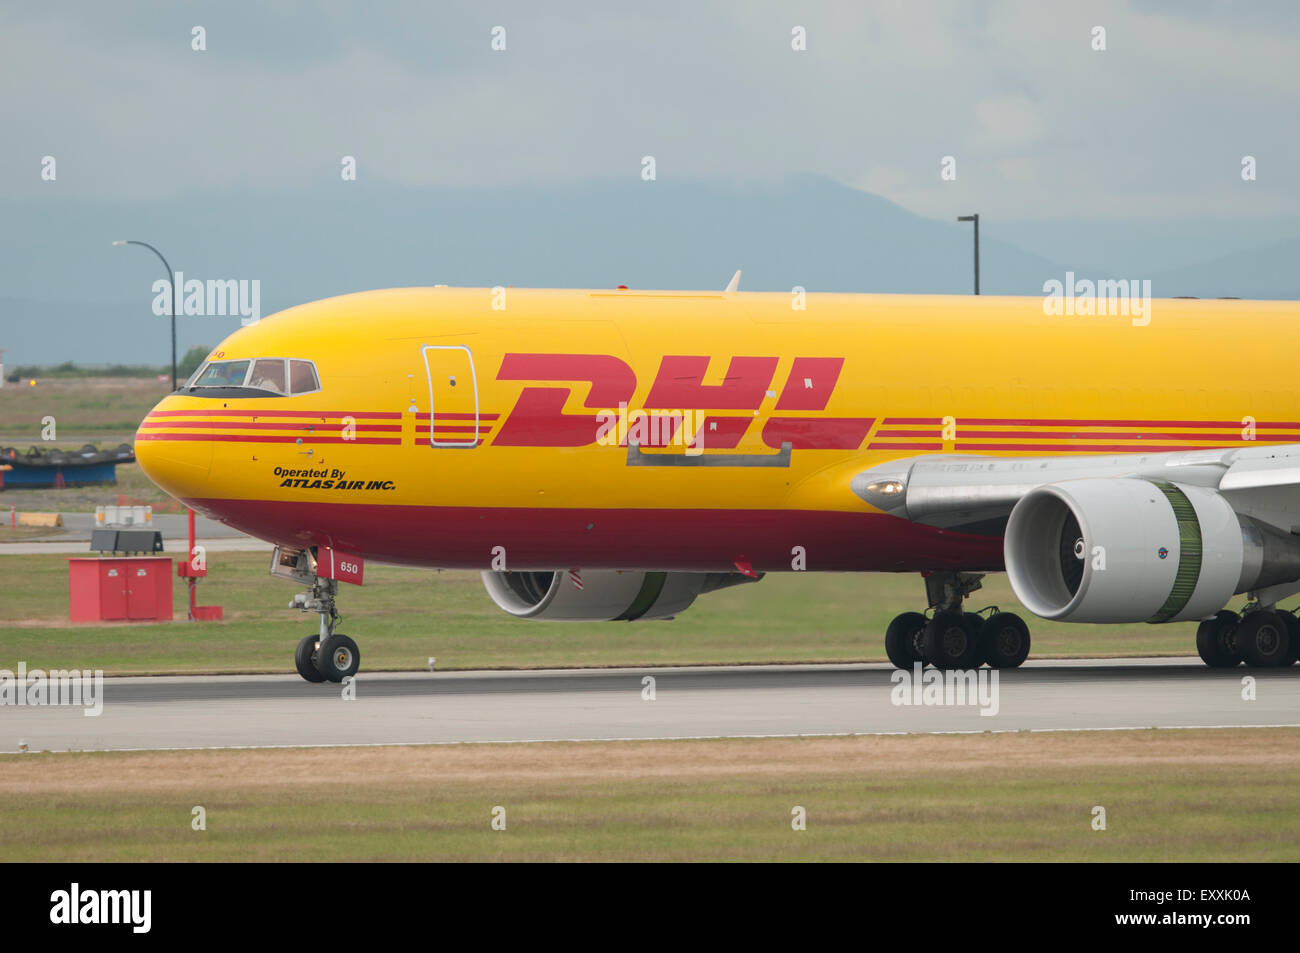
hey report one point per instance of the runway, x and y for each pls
(758, 701)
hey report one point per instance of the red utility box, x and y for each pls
(110, 588)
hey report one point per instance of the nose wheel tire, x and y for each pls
(952, 641)
(1264, 639)
(1004, 638)
(1216, 640)
(337, 658)
(901, 639)
(305, 659)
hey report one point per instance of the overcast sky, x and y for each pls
(1040, 124)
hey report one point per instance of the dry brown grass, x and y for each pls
(1170, 795)
(911, 756)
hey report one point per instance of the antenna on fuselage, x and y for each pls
(733, 284)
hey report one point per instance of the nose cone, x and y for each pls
(172, 452)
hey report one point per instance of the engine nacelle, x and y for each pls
(606, 595)
(1132, 550)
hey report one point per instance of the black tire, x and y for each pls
(1264, 639)
(305, 658)
(338, 657)
(900, 639)
(1216, 640)
(974, 622)
(951, 642)
(1004, 639)
(1293, 631)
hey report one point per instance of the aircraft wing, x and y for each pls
(977, 493)
(1158, 537)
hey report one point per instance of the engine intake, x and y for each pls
(1131, 550)
(606, 595)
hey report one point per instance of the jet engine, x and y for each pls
(1134, 550)
(604, 595)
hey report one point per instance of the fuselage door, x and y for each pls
(453, 395)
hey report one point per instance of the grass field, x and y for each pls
(1231, 795)
(19, 533)
(402, 616)
(83, 408)
(104, 411)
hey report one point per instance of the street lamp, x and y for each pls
(976, 219)
(171, 281)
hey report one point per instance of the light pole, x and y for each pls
(171, 282)
(976, 219)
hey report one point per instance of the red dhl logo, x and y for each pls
(538, 418)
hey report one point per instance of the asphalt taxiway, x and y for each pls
(606, 704)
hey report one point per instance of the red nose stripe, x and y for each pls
(305, 414)
(250, 425)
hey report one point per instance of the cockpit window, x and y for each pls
(268, 374)
(259, 377)
(221, 374)
(302, 375)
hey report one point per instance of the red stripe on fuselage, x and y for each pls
(267, 438)
(1080, 447)
(1025, 422)
(441, 416)
(284, 425)
(886, 445)
(972, 433)
(317, 414)
(1080, 422)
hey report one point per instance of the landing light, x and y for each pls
(886, 487)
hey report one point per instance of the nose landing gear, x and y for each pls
(328, 655)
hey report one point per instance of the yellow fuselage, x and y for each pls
(780, 406)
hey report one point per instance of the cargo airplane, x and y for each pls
(613, 455)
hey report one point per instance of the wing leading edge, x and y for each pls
(977, 493)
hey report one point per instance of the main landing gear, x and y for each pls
(326, 655)
(1263, 638)
(952, 638)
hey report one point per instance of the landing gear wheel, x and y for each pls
(901, 639)
(952, 642)
(305, 658)
(1216, 640)
(1004, 639)
(1293, 631)
(974, 622)
(1265, 639)
(338, 657)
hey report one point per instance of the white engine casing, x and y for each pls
(1124, 526)
(606, 595)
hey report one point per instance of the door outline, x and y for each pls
(433, 411)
